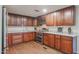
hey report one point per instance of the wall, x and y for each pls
(0, 27)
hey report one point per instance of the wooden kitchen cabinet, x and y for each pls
(24, 21)
(17, 38)
(69, 15)
(49, 39)
(59, 18)
(57, 42)
(35, 22)
(66, 44)
(9, 39)
(62, 17)
(19, 20)
(12, 20)
(29, 22)
(54, 18)
(49, 20)
(46, 39)
(29, 36)
(25, 37)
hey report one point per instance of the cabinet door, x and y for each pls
(57, 42)
(33, 35)
(29, 22)
(47, 17)
(12, 20)
(54, 18)
(46, 39)
(19, 20)
(59, 18)
(30, 35)
(25, 37)
(51, 40)
(69, 16)
(35, 22)
(17, 38)
(66, 44)
(24, 21)
(9, 22)
(9, 40)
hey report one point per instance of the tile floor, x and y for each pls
(31, 48)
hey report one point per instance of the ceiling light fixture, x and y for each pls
(44, 10)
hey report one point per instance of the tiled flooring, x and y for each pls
(31, 48)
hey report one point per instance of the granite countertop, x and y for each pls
(65, 34)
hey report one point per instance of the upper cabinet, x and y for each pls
(18, 20)
(59, 18)
(49, 19)
(35, 22)
(62, 17)
(29, 22)
(69, 14)
(12, 20)
(24, 21)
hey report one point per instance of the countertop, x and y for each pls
(65, 34)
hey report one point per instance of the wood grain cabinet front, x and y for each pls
(57, 42)
(17, 38)
(66, 44)
(9, 39)
(35, 22)
(69, 16)
(59, 18)
(29, 36)
(46, 42)
(49, 40)
(19, 20)
(29, 22)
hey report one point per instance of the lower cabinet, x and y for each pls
(28, 36)
(17, 38)
(9, 39)
(52, 40)
(46, 39)
(49, 40)
(66, 44)
(59, 42)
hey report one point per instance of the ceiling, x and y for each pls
(29, 10)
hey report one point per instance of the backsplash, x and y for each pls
(15, 29)
(65, 29)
